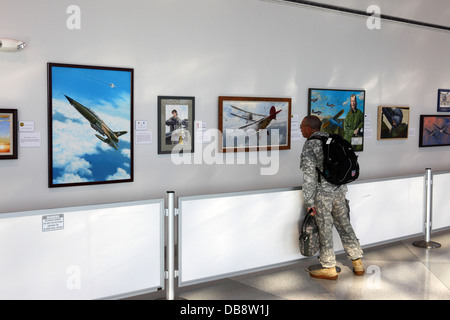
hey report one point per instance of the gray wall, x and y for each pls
(206, 49)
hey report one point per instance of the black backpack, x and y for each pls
(340, 163)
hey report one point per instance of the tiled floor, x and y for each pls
(394, 271)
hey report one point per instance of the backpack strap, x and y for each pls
(319, 173)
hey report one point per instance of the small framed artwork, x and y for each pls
(341, 112)
(443, 101)
(176, 124)
(254, 123)
(393, 123)
(90, 125)
(434, 131)
(8, 134)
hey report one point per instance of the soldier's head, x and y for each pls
(309, 125)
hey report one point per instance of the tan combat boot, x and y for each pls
(324, 273)
(358, 268)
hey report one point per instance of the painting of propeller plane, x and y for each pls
(341, 112)
(248, 124)
(434, 131)
(90, 112)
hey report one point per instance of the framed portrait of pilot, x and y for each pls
(393, 123)
(90, 131)
(176, 124)
(341, 111)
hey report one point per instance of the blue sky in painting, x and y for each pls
(330, 102)
(78, 155)
(5, 129)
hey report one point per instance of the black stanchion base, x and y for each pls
(427, 244)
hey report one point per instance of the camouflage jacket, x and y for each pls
(312, 157)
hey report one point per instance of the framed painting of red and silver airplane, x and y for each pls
(176, 124)
(443, 103)
(341, 112)
(254, 123)
(90, 131)
(434, 131)
(8, 134)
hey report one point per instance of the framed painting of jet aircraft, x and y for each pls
(341, 112)
(393, 123)
(175, 124)
(434, 131)
(443, 104)
(8, 134)
(90, 131)
(254, 123)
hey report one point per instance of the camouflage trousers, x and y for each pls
(332, 209)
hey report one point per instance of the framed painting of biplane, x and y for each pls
(341, 112)
(434, 131)
(393, 123)
(254, 123)
(176, 124)
(90, 131)
(8, 134)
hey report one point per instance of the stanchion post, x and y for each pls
(427, 243)
(170, 258)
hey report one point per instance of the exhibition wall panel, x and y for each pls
(441, 204)
(225, 234)
(229, 234)
(95, 252)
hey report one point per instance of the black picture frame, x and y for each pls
(8, 134)
(434, 130)
(176, 135)
(332, 106)
(443, 100)
(89, 108)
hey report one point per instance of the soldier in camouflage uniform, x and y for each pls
(328, 204)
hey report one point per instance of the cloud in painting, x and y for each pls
(74, 141)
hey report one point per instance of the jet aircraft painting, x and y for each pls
(110, 137)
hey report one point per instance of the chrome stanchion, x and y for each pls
(170, 271)
(427, 243)
(170, 258)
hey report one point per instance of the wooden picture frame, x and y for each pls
(393, 122)
(434, 131)
(254, 123)
(90, 125)
(8, 134)
(176, 116)
(333, 107)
